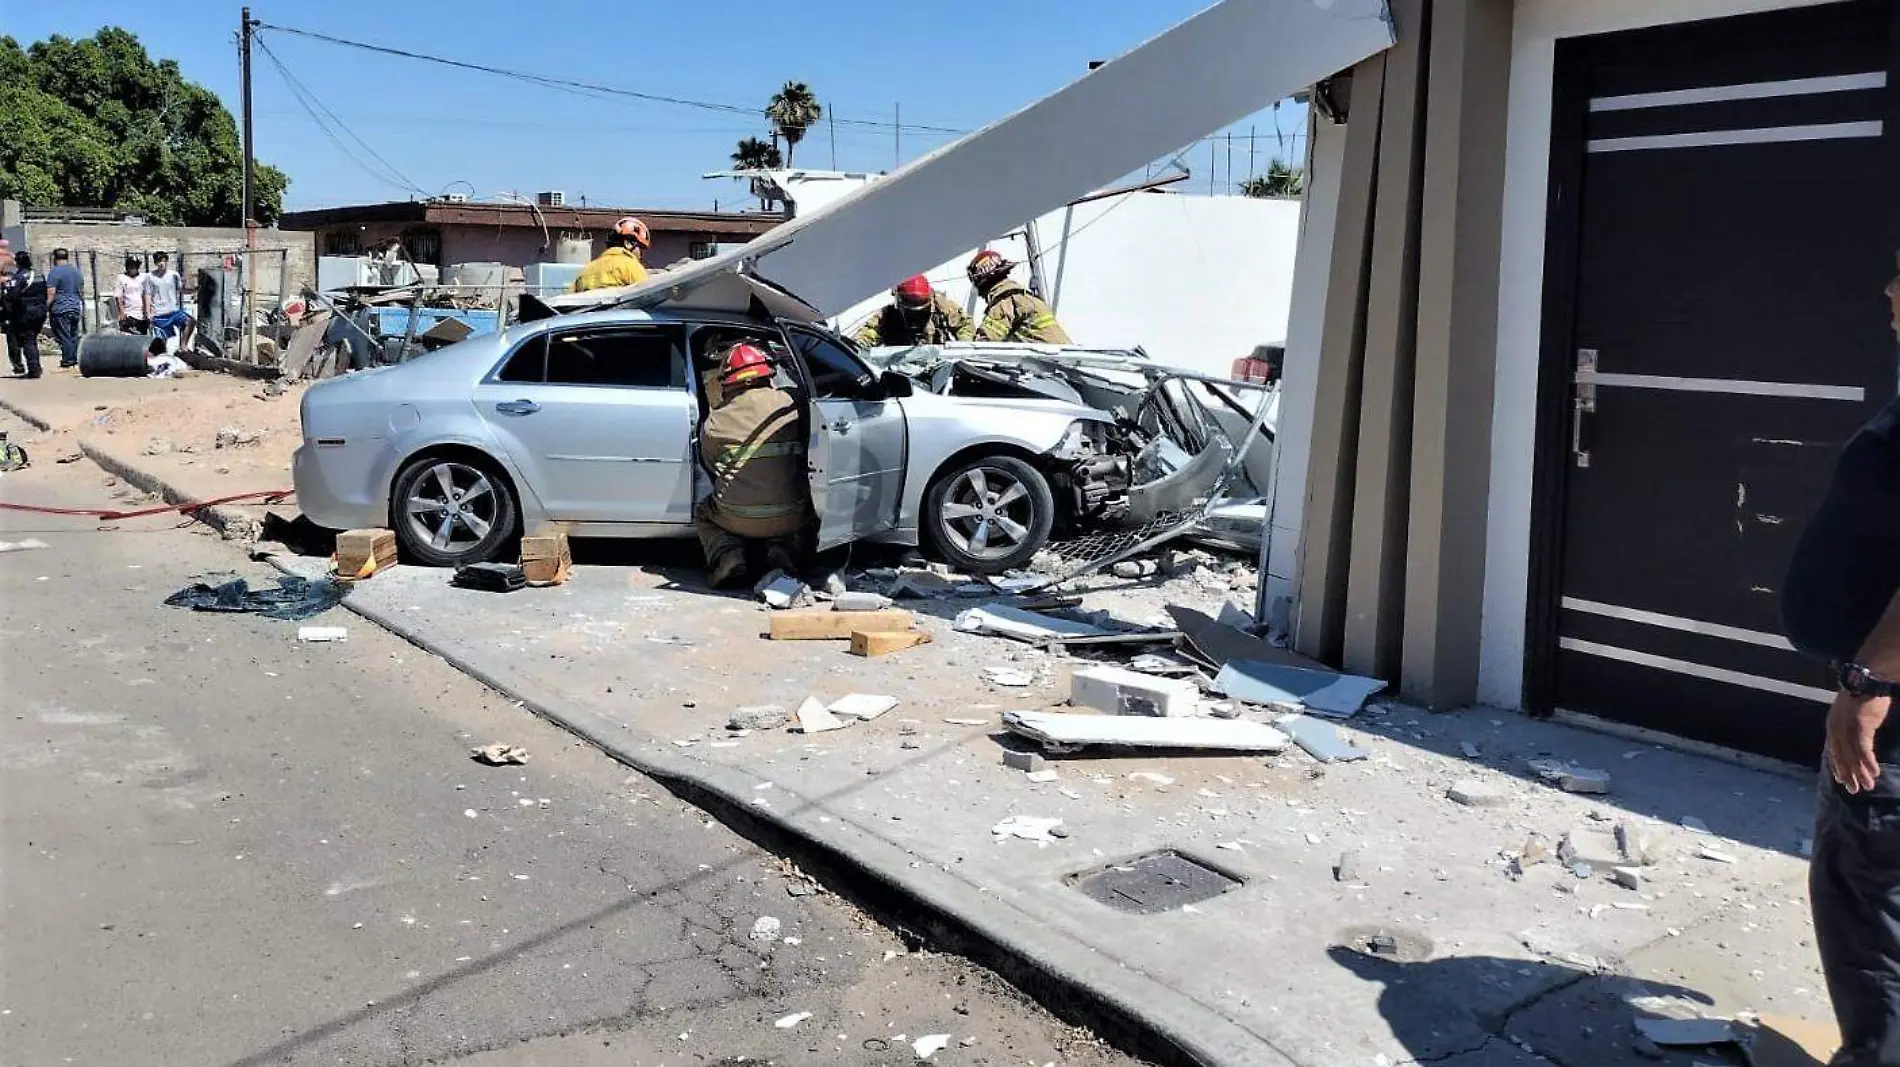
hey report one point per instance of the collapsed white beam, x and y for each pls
(1219, 66)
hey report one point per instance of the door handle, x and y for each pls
(1583, 403)
(517, 407)
(842, 426)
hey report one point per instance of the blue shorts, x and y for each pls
(164, 325)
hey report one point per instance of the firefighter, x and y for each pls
(753, 447)
(1013, 312)
(620, 264)
(916, 315)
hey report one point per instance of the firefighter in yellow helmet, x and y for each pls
(916, 315)
(1014, 313)
(620, 264)
(752, 445)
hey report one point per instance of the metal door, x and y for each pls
(599, 422)
(1728, 334)
(859, 442)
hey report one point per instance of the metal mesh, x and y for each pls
(1101, 544)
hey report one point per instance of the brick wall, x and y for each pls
(99, 252)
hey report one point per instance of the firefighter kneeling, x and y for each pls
(752, 444)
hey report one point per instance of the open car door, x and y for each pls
(859, 441)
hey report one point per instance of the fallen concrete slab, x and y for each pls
(1223, 735)
(1322, 692)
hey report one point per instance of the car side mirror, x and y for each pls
(894, 386)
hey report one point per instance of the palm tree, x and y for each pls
(791, 112)
(754, 154)
(1280, 182)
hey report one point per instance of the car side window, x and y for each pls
(835, 373)
(528, 364)
(646, 358)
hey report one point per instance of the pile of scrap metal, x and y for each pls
(1186, 455)
(373, 326)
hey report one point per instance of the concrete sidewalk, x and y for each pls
(1528, 969)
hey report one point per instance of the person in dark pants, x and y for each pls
(26, 314)
(66, 297)
(1841, 601)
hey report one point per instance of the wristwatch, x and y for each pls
(1856, 680)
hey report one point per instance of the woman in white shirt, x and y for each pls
(128, 296)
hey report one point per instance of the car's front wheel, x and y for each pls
(451, 510)
(990, 514)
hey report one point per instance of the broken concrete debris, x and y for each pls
(22, 546)
(1637, 849)
(862, 706)
(1124, 692)
(1028, 828)
(1043, 777)
(783, 591)
(1627, 877)
(815, 718)
(322, 633)
(758, 717)
(792, 1020)
(1473, 793)
(1009, 677)
(1232, 735)
(765, 928)
(1347, 869)
(1320, 740)
(499, 754)
(929, 1045)
(1320, 692)
(1004, 620)
(1715, 855)
(1569, 778)
(860, 602)
(1023, 761)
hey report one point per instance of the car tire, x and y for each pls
(989, 514)
(451, 510)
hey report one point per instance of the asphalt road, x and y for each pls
(219, 845)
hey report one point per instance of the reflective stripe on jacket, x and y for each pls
(610, 270)
(1016, 314)
(752, 445)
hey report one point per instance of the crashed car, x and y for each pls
(590, 420)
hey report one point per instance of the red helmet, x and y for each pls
(745, 362)
(913, 292)
(986, 265)
(634, 228)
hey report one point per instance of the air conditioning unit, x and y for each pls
(551, 198)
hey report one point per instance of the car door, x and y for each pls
(859, 444)
(599, 419)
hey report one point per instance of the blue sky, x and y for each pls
(449, 130)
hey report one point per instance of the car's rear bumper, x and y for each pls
(338, 487)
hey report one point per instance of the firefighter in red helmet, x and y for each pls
(916, 315)
(752, 446)
(620, 264)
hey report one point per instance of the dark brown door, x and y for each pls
(1727, 334)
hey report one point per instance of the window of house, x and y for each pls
(644, 358)
(835, 372)
(342, 243)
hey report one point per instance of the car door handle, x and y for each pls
(517, 407)
(841, 427)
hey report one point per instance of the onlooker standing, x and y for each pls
(6, 278)
(128, 297)
(164, 300)
(26, 314)
(65, 294)
(1841, 601)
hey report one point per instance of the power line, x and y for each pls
(577, 86)
(389, 174)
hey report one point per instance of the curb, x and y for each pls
(1131, 1010)
(231, 525)
(26, 416)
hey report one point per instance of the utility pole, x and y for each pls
(897, 133)
(832, 117)
(245, 27)
(1250, 133)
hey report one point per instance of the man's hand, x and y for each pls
(1851, 723)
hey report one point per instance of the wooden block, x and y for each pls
(361, 553)
(869, 643)
(545, 558)
(823, 624)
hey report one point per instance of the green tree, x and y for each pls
(791, 111)
(754, 154)
(1280, 182)
(98, 123)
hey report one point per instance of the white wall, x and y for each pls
(1539, 24)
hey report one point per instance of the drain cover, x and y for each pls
(1154, 883)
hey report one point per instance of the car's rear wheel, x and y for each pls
(990, 514)
(451, 510)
